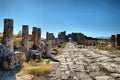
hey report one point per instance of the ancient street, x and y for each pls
(86, 64)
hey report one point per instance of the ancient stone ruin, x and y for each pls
(36, 36)
(49, 42)
(8, 58)
(8, 34)
(113, 40)
(118, 40)
(39, 35)
(47, 35)
(25, 37)
(62, 36)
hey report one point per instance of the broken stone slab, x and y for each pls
(104, 78)
(70, 63)
(108, 67)
(63, 69)
(21, 76)
(72, 66)
(64, 76)
(95, 74)
(94, 67)
(51, 75)
(84, 76)
(103, 58)
(67, 72)
(116, 75)
(80, 68)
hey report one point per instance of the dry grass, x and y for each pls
(111, 50)
(17, 39)
(25, 57)
(63, 45)
(37, 69)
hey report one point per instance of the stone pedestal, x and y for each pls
(8, 35)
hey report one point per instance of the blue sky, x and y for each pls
(94, 18)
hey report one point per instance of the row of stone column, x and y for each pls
(8, 35)
(115, 41)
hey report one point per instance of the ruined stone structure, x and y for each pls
(8, 34)
(62, 36)
(48, 47)
(113, 40)
(50, 36)
(118, 40)
(36, 35)
(39, 35)
(79, 37)
(47, 36)
(25, 37)
(50, 43)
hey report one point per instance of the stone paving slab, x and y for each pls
(86, 64)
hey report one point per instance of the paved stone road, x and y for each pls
(85, 64)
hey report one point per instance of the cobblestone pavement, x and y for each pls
(85, 64)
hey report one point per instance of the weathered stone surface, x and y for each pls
(118, 40)
(8, 34)
(25, 37)
(35, 36)
(116, 75)
(49, 47)
(84, 64)
(104, 78)
(62, 36)
(113, 39)
(39, 35)
(21, 76)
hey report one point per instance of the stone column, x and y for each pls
(113, 41)
(47, 35)
(49, 47)
(8, 35)
(39, 35)
(25, 37)
(118, 40)
(35, 37)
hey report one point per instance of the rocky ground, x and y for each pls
(85, 64)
